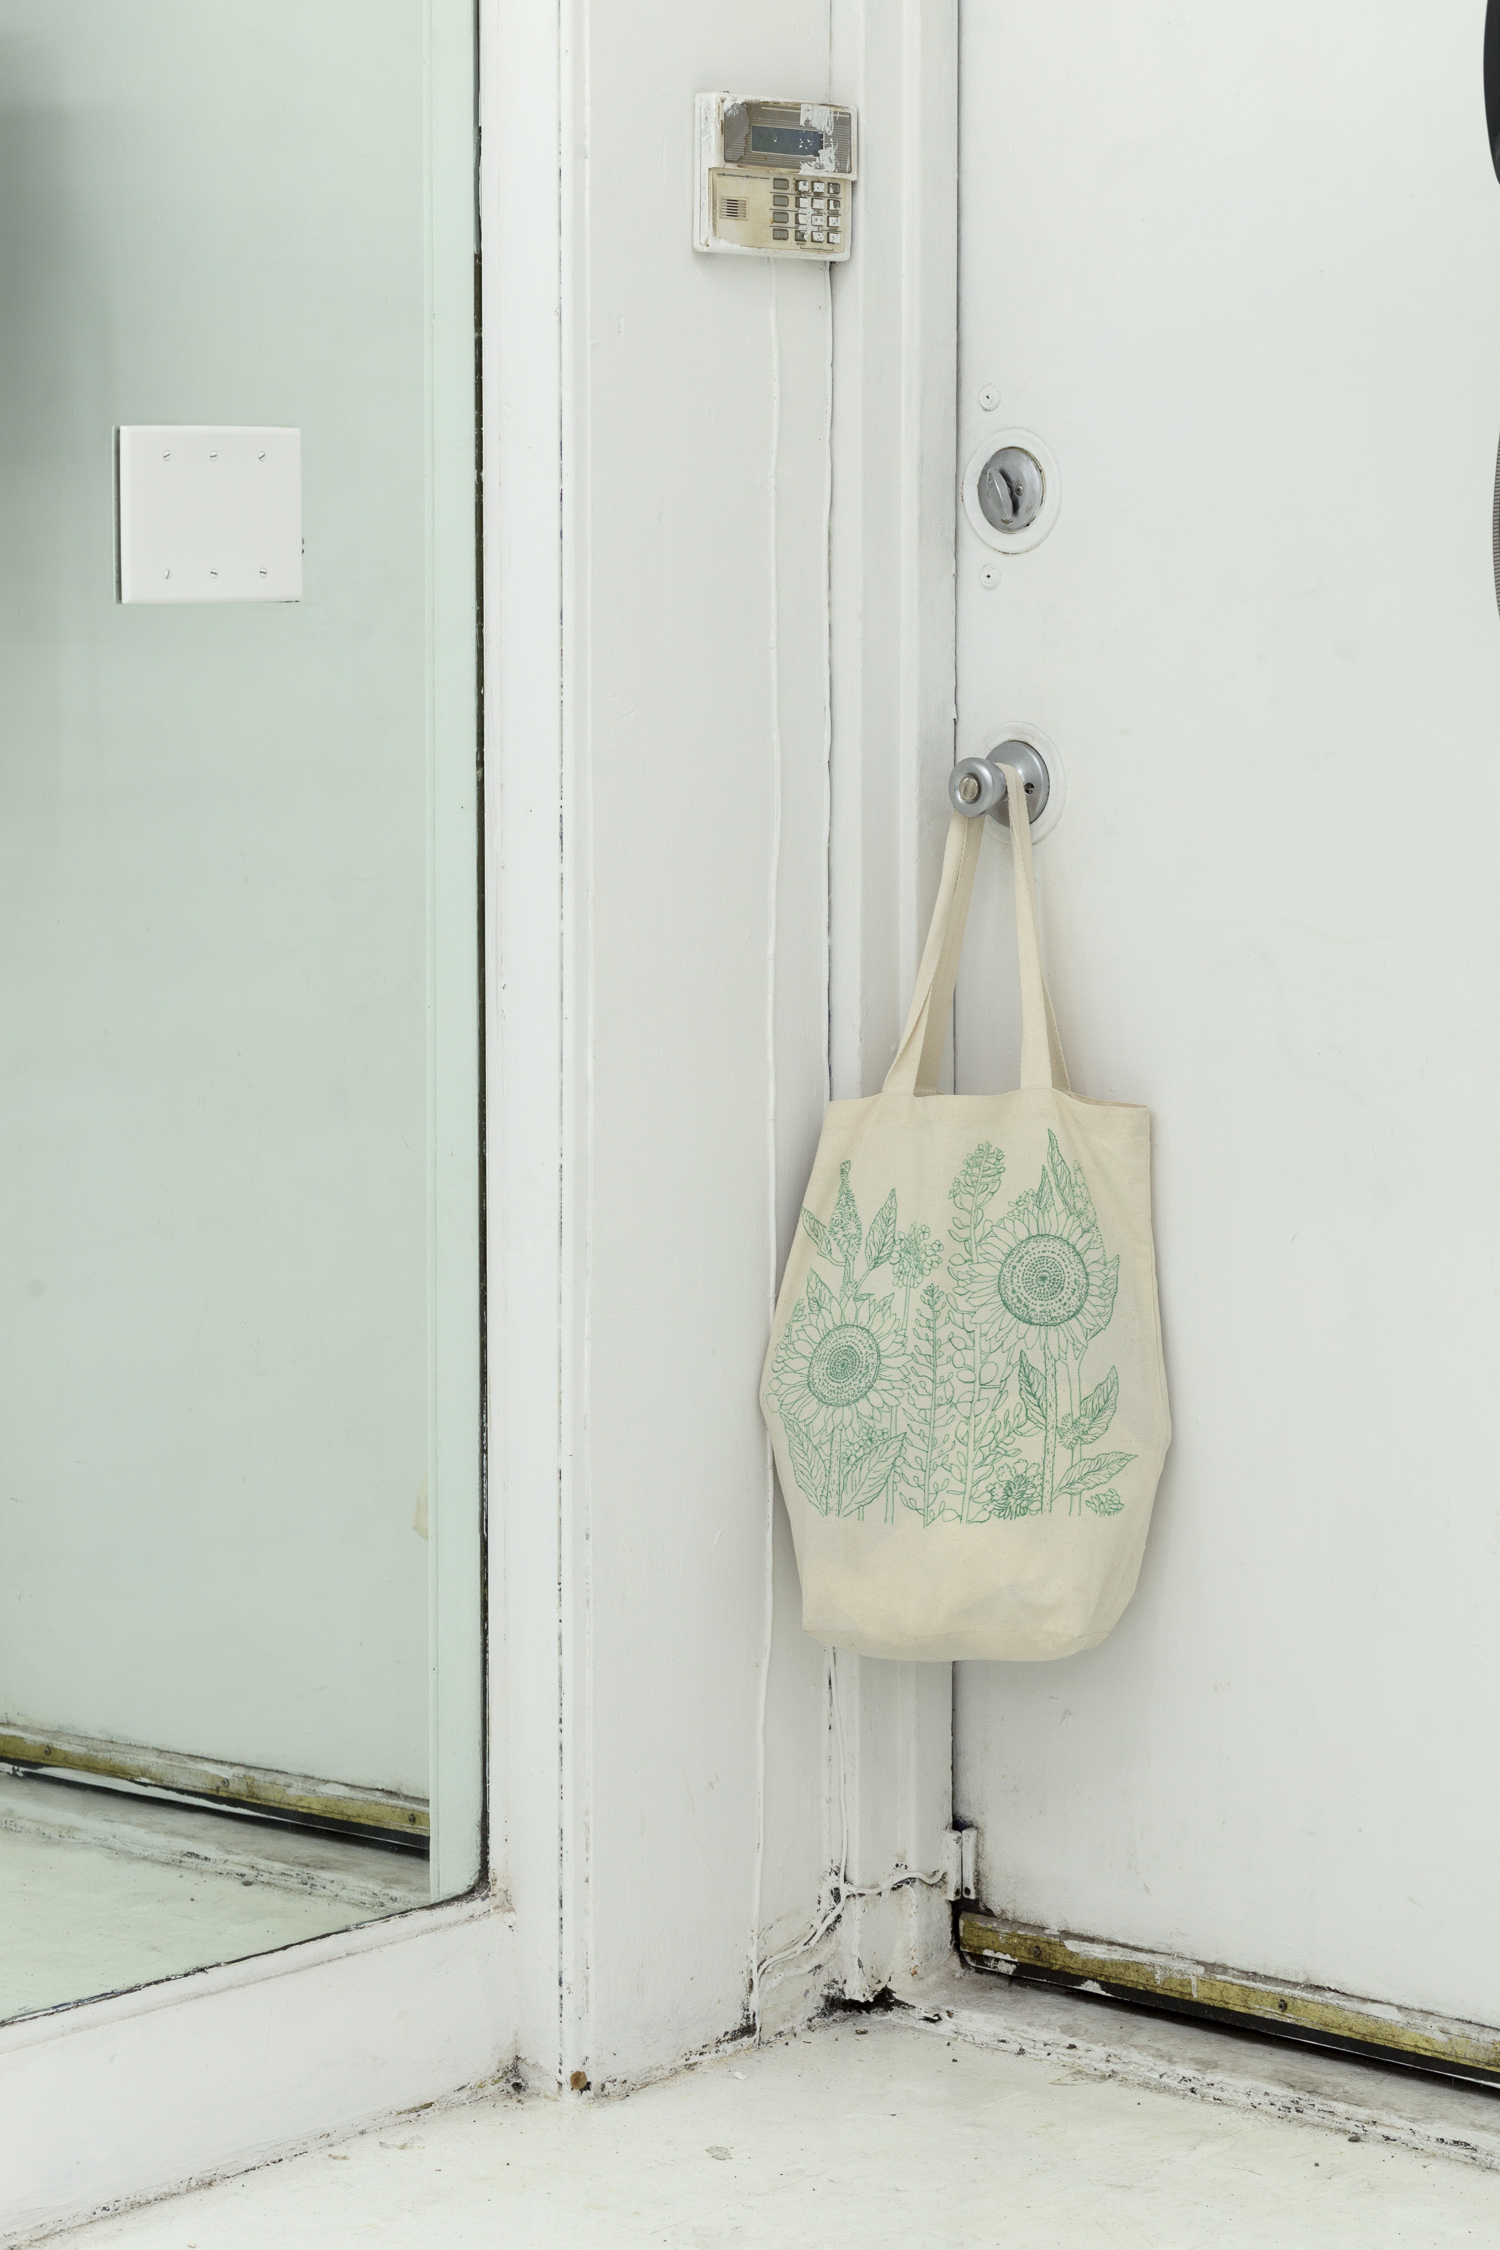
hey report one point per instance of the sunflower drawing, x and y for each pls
(1040, 1276)
(1045, 1265)
(840, 1361)
(839, 1372)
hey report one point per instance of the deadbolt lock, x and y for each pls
(1011, 492)
(1011, 489)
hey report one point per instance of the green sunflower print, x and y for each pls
(968, 1405)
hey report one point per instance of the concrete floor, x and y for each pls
(885, 2133)
(104, 1891)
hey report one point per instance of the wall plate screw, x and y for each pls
(989, 398)
(989, 575)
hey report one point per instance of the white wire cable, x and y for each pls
(772, 906)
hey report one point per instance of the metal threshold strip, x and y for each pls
(377, 1816)
(1371, 2029)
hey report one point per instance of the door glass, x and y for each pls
(239, 1143)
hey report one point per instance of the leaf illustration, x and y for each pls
(882, 1234)
(1084, 1475)
(816, 1229)
(1105, 1300)
(979, 1176)
(1062, 1178)
(1072, 1188)
(1095, 1414)
(844, 1230)
(1033, 1396)
(1104, 1503)
(873, 1473)
(808, 1465)
(928, 1408)
(819, 1297)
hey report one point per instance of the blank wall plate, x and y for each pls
(209, 515)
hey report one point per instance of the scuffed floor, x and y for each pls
(105, 1891)
(877, 2133)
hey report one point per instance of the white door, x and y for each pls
(1239, 270)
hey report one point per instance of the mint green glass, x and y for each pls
(240, 1277)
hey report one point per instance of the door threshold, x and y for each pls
(1372, 2030)
(374, 1816)
(1097, 2037)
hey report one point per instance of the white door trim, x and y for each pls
(894, 524)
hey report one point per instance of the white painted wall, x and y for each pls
(1239, 270)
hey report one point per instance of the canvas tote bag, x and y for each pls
(964, 1385)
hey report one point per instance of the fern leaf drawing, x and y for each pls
(928, 1407)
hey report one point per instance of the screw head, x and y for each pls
(989, 398)
(989, 575)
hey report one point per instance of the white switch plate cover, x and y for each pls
(208, 514)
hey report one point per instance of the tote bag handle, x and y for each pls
(920, 1054)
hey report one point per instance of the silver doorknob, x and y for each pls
(977, 786)
(1011, 489)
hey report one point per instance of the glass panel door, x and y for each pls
(240, 1666)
